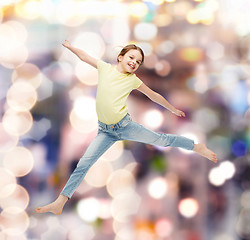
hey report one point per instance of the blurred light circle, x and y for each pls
(216, 177)
(83, 116)
(7, 35)
(207, 119)
(59, 72)
(146, 47)
(153, 119)
(15, 57)
(7, 235)
(138, 9)
(86, 74)
(188, 207)
(165, 48)
(65, 11)
(181, 8)
(29, 73)
(98, 174)
(66, 70)
(162, 68)
(242, 224)
(117, 225)
(14, 53)
(7, 141)
(29, 10)
(157, 2)
(70, 13)
(17, 123)
(125, 233)
(191, 54)
(228, 169)
(124, 205)
(105, 208)
(162, 20)
(215, 51)
(18, 198)
(120, 181)
(19, 161)
(15, 221)
(19, 29)
(221, 145)
(145, 31)
(84, 107)
(239, 148)
(7, 183)
(223, 236)
(193, 17)
(163, 227)
(76, 231)
(245, 199)
(92, 42)
(88, 209)
(82, 125)
(114, 152)
(158, 188)
(21, 96)
(150, 61)
(1, 15)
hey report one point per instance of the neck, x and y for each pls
(120, 69)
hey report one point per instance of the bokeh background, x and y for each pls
(197, 56)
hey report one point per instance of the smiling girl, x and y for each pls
(114, 123)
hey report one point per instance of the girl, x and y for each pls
(114, 123)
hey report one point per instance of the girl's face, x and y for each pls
(131, 61)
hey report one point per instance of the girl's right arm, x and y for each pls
(81, 54)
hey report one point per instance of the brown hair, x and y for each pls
(130, 47)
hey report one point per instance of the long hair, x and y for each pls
(130, 47)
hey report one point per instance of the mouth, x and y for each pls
(131, 65)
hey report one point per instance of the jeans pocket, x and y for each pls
(126, 121)
(100, 128)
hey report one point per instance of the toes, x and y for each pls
(38, 210)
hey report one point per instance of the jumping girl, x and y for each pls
(114, 123)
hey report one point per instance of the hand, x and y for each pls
(66, 44)
(179, 113)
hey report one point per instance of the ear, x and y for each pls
(120, 57)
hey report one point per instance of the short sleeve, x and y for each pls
(101, 65)
(137, 82)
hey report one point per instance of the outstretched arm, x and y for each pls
(156, 97)
(81, 54)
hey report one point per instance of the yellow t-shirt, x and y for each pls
(112, 92)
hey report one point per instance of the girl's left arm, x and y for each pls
(156, 97)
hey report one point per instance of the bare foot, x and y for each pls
(55, 207)
(201, 149)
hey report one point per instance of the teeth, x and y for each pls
(131, 65)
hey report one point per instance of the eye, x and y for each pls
(138, 62)
(131, 57)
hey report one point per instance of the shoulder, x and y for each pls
(102, 64)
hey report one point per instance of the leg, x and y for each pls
(136, 132)
(98, 146)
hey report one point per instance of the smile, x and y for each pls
(132, 65)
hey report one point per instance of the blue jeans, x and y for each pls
(107, 135)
